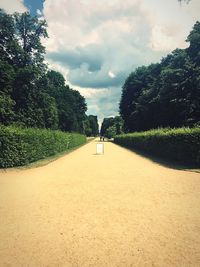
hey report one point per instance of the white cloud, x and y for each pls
(104, 103)
(11, 6)
(39, 13)
(90, 93)
(111, 74)
(96, 44)
(90, 38)
(171, 23)
(163, 39)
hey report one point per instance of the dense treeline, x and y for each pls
(30, 94)
(91, 127)
(111, 126)
(165, 94)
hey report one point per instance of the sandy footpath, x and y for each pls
(117, 209)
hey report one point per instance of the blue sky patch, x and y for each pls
(34, 5)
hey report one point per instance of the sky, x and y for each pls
(96, 44)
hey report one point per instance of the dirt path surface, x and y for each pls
(116, 209)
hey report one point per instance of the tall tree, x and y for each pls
(7, 40)
(165, 94)
(29, 31)
(194, 39)
(93, 124)
(30, 95)
(71, 105)
(111, 127)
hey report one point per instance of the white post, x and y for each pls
(100, 149)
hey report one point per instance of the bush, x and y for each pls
(20, 146)
(180, 145)
(110, 132)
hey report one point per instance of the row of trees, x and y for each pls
(111, 126)
(30, 94)
(165, 94)
(91, 127)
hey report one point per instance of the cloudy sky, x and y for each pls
(95, 44)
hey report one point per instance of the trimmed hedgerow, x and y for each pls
(20, 146)
(180, 145)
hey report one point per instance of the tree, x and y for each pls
(93, 123)
(30, 95)
(56, 79)
(135, 101)
(86, 127)
(194, 39)
(29, 31)
(111, 132)
(7, 77)
(90, 125)
(111, 127)
(9, 46)
(6, 109)
(71, 105)
(79, 107)
(34, 107)
(20, 40)
(165, 94)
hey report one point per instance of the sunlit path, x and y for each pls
(116, 209)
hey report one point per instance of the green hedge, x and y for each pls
(20, 146)
(180, 145)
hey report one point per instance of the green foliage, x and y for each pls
(28, 31)
(6, 108)
(111, 127)
(8, 42)
(56, 79)
(86, 127)
(20, 146)
(30, 94)
(111, 132)
(194, 40)
(20, 39)
(34, 107)
(91, 127)
(165, 94)
(7, 76)
(71, 105)
(180, 145)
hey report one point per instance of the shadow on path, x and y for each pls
(163, 162)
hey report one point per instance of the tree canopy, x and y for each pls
(31, 95)
(91, 125)
(111, 126)
(166, 94)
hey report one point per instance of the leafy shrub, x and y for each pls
(110, 132)
(20, 146)
(180, 145)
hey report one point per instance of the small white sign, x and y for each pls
(100, 148)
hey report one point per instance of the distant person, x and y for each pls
(100, 138)
(103, 138)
